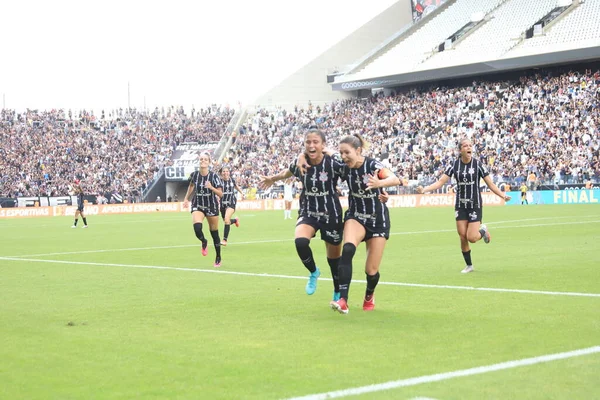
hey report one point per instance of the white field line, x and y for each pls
(221, 271)
(289, 240)
(449, 375)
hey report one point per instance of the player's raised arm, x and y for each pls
(267, 181)
(434, 186)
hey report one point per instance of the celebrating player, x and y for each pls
(228, 202)
(206, 188)
(320, 208)
(366, 220)
(468, 208)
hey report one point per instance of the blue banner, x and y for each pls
(583, 196)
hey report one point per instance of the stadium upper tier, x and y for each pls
(500, 34)
(496, 35)
(415, 48)
(580, 28)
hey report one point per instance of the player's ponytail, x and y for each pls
(356, 141)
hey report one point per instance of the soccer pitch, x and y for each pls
(130, 309)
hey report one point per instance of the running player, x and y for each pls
(320, 208)
(80, 204)
(366, 220)
(206, 188)
(228, 202)
(468, 208)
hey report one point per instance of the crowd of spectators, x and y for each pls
(548, 124)
(43, 152)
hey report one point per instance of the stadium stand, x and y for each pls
(43, 152)
(580, 28)
(500, 32)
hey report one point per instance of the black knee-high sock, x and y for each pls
(345, 269)
(216, 242)
(84, 221)
(76, 219)
(372, 281)
(333, 266)
(226, 231)
(233, 220)
(198, 231)
(467, 257)
(305, 254)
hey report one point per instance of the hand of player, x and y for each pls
(265, 182)
(384, 196)
(208, 185)
(420, 189)
(374, 182)
(302, 164)
(507, 198)
(186, 204)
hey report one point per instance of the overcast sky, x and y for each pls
(82, 54)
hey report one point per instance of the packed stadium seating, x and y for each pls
(42, 153)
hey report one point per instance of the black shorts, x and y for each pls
(80, 208)
(523, 195)
(372, 231)
(206, 211)
(331, 232)
(469, 214)
(223, 209)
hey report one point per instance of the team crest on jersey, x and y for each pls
(365, 179)
(471, 170)
(323, 176)
(473, 216)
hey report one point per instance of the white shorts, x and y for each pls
(288, 198)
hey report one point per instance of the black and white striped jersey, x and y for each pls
(467, 178)
(364, 205)
(229, 198)
(205, 198)
(319, 198)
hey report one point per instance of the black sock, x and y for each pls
(75, 224)
(333, 266)
(226, 231)
(467, 257)
(198, 231)
(372, 281)
(305, 254)
(216, 242)
(233, 220)
(84, 221)
(345, 269)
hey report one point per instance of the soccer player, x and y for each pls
(288, 197)
(80, 204)
(320, 208)
(468, 208)
(228, 202)
(366, 220)
(206, 188)
(523, 190)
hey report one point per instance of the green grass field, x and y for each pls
(129, 309)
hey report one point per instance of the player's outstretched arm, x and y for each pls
(488, 181)
(434, 186)
(267, 181)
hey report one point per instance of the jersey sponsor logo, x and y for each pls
(315, 193)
